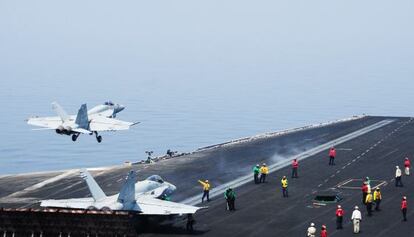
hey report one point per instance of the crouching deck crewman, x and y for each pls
(256, 172)
(230, 197)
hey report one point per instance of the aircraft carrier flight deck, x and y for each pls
(366, 146)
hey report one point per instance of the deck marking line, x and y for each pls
(43, 183)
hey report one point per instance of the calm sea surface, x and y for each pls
(179, 115)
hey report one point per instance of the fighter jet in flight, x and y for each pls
(98, 119)
(144, 197)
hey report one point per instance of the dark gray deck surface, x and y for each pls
(261, 210)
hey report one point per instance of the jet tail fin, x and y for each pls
(82, 119)
(60, 111)
(94, 188)
(127, 194)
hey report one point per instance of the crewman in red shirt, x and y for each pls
(339, 217)
(407, 165)
(364, 191)
(404, 208)
(295, 165)
(332, 155)
(324, 233)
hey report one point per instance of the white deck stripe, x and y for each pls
(219, 190)
(42, 184)
(54, 179)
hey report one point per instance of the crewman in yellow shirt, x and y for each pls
(284, 183)
(263, 172)
(377, 199)
(206, 190)
(368, 203)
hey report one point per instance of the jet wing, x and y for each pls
(105, 113)
(45, 122)
(52, 123)
(81, 130)
(78, 203)
(100, 123)
(154, 206)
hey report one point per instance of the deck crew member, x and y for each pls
(404, 208)
(190, 222)
(311, 230)
(368, 203)
(398, 174)
(284, 183)
(230, 197)
(263, 173)
(332, 155)
(206, 190)
(295, 165)
(256, 171)
(368, 181)
(377, 199)
(407, 166)
(324, 233)
(339, 217)
(364, 190)
(356, 219)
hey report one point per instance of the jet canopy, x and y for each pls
(156, 178)
(109, 103)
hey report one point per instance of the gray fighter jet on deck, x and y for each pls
(144, 197)
(98, 119)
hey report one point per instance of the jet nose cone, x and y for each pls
(118, 108)
(171, 188)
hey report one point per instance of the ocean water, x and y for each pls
(195, 74)
(181, 115)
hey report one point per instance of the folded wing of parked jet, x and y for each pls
(96, 191)
(154, 206)
(76, 203)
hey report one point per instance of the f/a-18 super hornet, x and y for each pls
(146, 197)
(98, 119)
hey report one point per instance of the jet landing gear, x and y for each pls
(74, 137)
(98, 138)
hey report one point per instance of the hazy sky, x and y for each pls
(86, 41)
